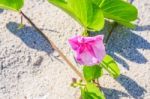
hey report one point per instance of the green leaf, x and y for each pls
(85, 94)
(91, 92)
(119, 20)
(92, 72)
(97, 22)
(111, 66)
(14, 5)
(118, 10)
(85, 12)
(97, 2)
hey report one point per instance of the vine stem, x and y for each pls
(98, 82)
(53, 46)
(21, 19)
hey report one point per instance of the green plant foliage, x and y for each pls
(85, 12)
(91, 13)
(111, 66)
(92, 72)
(14, 5)
(91, 91)
(118, 10)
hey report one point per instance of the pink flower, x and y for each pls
(89, 50)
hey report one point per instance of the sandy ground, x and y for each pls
(30, 69)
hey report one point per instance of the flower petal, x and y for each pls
(86, 58)
(99, 49)
(74, 42)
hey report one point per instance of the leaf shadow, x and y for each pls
(132, 87)
(125, 44)
(30, 37)
(1, 10)
(113, 93)
(142, 28)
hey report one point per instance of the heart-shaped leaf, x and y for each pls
(85, 12)
(92, 72)
(111, 66)
(118, 10)
(14, 5)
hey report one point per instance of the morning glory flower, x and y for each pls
(89, 51)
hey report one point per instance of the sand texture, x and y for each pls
(31, 69)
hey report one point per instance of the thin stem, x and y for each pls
(97, 81)
(53, 45)
(21, 19)
(85, 33)
(110, 33)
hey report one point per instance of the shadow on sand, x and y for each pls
(133, 89)
(125, 43)
(30, 37)
(1, 10)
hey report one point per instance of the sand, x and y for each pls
(31, 69)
